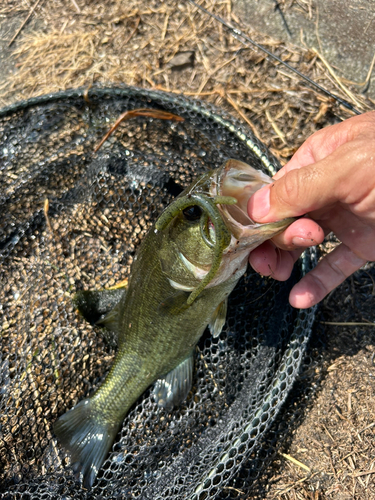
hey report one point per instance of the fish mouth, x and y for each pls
(241, 181)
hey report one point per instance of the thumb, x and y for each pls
(301, 190)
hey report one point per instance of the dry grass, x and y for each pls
(133, 43)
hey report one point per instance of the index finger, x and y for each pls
(321, 144)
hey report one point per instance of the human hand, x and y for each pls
(332, 179)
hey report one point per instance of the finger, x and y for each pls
(345, 176)
(335, 164)
(317, 147)
(323, 142)
(268, 260)
(331, 271)
(357, 232)
(302, 233)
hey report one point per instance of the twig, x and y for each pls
(349, 404)
(46, 208)
(336, 78)
(364, 473)
(25, 21)
(212, 72)
(296, 462)
(329, 434)
(134, 30)
(279, 134)
(233, 489)
(367, 81)
(328, 452)
(317, 29)
(165, 27)
(367, 427)
(243, 116)
(153, 113)
(368, 25)
(346, 456)
(76, 6)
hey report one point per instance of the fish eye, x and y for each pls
(192, 213)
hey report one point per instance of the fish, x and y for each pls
(183, 272)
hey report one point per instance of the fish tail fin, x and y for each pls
(88, 437)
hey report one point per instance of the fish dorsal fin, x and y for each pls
(173, 388)
(218, 318)
(101, 308)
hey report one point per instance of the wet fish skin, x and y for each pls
(149, 346)
(180, 279)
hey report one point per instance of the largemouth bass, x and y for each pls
(184, 270)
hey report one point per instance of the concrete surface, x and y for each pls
(342, 30)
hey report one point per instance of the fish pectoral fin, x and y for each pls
(218, 318)
(173, 388)
(175, 303)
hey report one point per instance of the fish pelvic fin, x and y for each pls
(218, 318)
(87, 437)
(173, 388)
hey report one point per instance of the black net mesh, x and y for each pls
(100, 207)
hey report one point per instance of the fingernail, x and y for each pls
(303, 242)
(259, 204)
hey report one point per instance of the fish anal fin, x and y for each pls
(173, 388)
(218, 318)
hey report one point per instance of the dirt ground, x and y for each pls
(169, 45)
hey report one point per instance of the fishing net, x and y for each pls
(100, 206)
